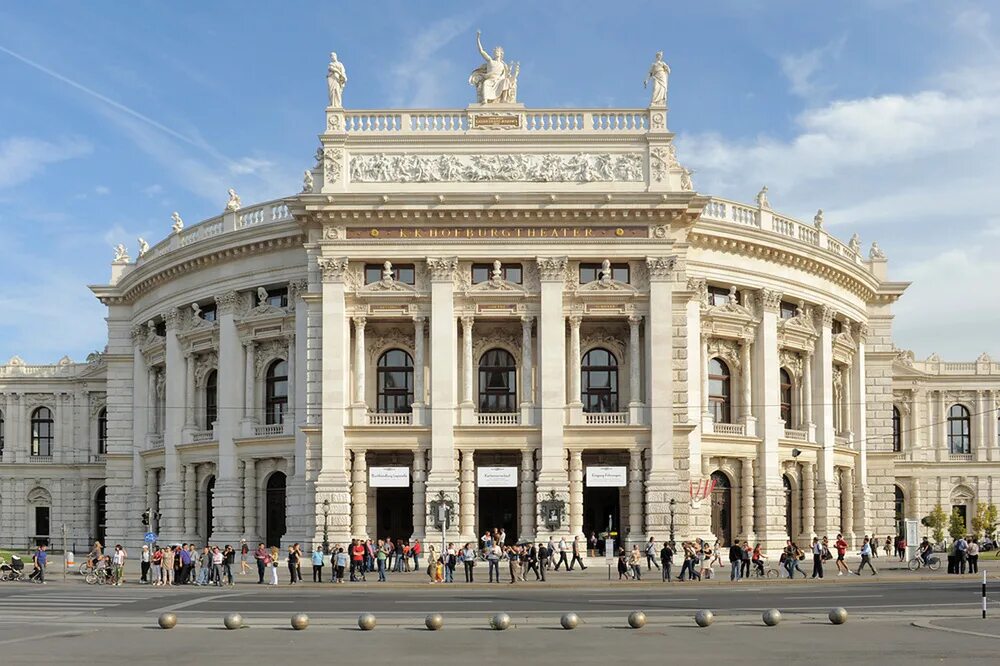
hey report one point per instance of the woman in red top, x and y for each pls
(357, 560)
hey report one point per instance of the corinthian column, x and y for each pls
(847, 503)
(359, 362)
(634, 392)
(808, 500)
(467, 323)
(526, 522)
(359, 496)
(526, 361)
(746, 495)
(635, 508)
(467, 495)
(574, 359)
(575, 492)
(189, 393)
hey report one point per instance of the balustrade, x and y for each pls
(380, 419)
(605, 418)
(498, 418)
(737, 429)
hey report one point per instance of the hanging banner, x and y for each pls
(389, 477)
(607, 477)
(496, 477)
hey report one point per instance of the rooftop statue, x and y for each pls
(143, 247)
(658, 73)
(876, 252)
(818, 219)
(178, 223)
(307, 181)
(495, 81)
(336, 79)
(234, 203)
(121, 254)
(762, 200)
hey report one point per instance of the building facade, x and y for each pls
(528, 316)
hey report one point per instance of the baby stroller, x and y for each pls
(12, 571)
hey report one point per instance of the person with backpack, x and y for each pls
(651, 555)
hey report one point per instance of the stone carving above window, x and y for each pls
(727, 350)
(393, 338)
(267, 352)
(791, 361)
(204, 364)
(497, 167)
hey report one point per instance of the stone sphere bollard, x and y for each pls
(233, 621)
(637, 619)
(167, 620)
(500, 622)
(569, 620)
(771, 617)
(300, 621)
(366, 621)
(838, 616)
(434, 621)
(704, 618)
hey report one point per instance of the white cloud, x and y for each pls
(102, 190)
(422, 78)
(153, 190)
(801, 68)
(22, 158)
(250, 165)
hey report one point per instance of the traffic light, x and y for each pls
(145, 517)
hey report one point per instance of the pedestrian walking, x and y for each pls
(841, 546)
(972, 552)
(317, 564)
(275, 555)
(156, 562)
(888, 546)
(635, 562)
(874, 544)
(651, 555)
(577, 547)
(118, 561)
(622, 565)
(592, 545)
(817, 553)
(666, 560)
(244, 557)
(169, 559)
(562, 555)
(866, 557)
(261, 557)
(40, 559)
(792, 556)
(228, 561)
(544, 557)
(144, 564)
(735, 561)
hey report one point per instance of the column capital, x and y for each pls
(634, 320)
(527, 320)
(419, 320)
(552, 269)
(171, 318)
(575, 320)
(442, 269)
(825, 315)
(332, 269)
(359, 322)
(227, 302)
(660, 269)
(467, 321)
(770, 300)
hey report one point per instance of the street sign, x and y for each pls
(150, 537)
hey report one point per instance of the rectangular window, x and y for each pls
(720, 296)
(590, 272)
(837, 327)
(402, 273)
(278, 298)
(788, 310)
(483, 272)
(209, 312)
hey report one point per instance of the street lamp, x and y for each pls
(326, 523)
(673, 503)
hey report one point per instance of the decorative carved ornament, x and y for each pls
(493, 167)
(204, 364)
(770, 300)
(791, 361)
(228, 303)
(552, 268)
(727, 350)
(610, 339)
(333, 160)
(267, 352)
(98, 401)
(442, 268)
(393, 338)
(332, 268)
(700, 288)
(496, 336)
(660, 268)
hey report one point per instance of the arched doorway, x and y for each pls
(900, 511)
(722, 508)
(274, 509)
(100, 513)
(787, 485)
(209, 507)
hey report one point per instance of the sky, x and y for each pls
(885, 113)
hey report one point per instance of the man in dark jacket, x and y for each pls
(666, 559)
(735, 560)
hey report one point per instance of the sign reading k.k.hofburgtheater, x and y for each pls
(479, 233)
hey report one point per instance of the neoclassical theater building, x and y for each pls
(530, 317)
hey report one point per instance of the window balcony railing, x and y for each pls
(737, 429)
(155, 440)
(961, 457)
(97, 458)
(201, 436)
(605, 418)
(498, 418)
(389, 419)
(40, 459)
(269, 430)
(800, 435)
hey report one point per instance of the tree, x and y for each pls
(936, 521)
(984, 522)
(956, 525)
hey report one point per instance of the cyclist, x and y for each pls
(925, 551)
(95, 555)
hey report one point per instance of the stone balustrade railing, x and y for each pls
(380, 419)
(799, 435)
(737, 429)
(154, 440)
(984, 366)
(202, 436)
(269, 430)
(583, 121)
(498, 418)
(605, 418)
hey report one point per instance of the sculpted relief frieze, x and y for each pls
(491, 167)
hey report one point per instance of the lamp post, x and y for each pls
(326, 523)
(673, 503)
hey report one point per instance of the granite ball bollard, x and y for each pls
(434, 621)
(569, 620)
(366, 621)
(838, 616)
(704, 618)
(637, 619)
(233, 621)
(167, 620)
(300, 621)
(500, 622)
(771, 617)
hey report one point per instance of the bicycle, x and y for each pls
(103, 576)
(933, 563)
(762, 571)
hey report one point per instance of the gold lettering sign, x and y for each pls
(496, 121)
(497, 233)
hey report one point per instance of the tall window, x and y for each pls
(599, 381)
(395, 382)
(209, 312)
(41, 432)
(785, 382)
(719, 396)
(276, 392)
(788, 310)
(959, 433)
(497, 382)
(102, 431)
(897, 430)
(211, 399)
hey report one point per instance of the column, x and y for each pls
(942, 426)
(661, 477)
(574, 359)
(769, 501)
(172, 498)
(550, 463)
(189, 421)
(827, 520)
(360, 398)
(526, 361)
(634, 373)
(749, 422)
(226, 504)
(419, 493)
(636, 533)
(290, 417)
(746, 494)
(418, 370)
(847, 503)
(249, 378)
(359, 495)
(706, 412)
(847, 402)
(190, 502)
(808, 500)
(468, 401)
(442, 476)
(526, 522)
(807, 400)
(992, 421)
(575, 492)
(467, 496)
(139, 408)
(250, 501)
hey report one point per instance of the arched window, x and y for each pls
(395, 382)
(276, 392)
(785, 381)
(211, 398)
(897, 430)
(599, 381)
(497, 382)
(959, 433)
(719, 396)
(102, 431)
(41, 432)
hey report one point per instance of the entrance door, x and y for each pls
(498, 509)
(274, 509)
(100, 513)
(41, 525)
(602, 512)
(394, 513)
(722, 509)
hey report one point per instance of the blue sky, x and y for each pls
(885, 113)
